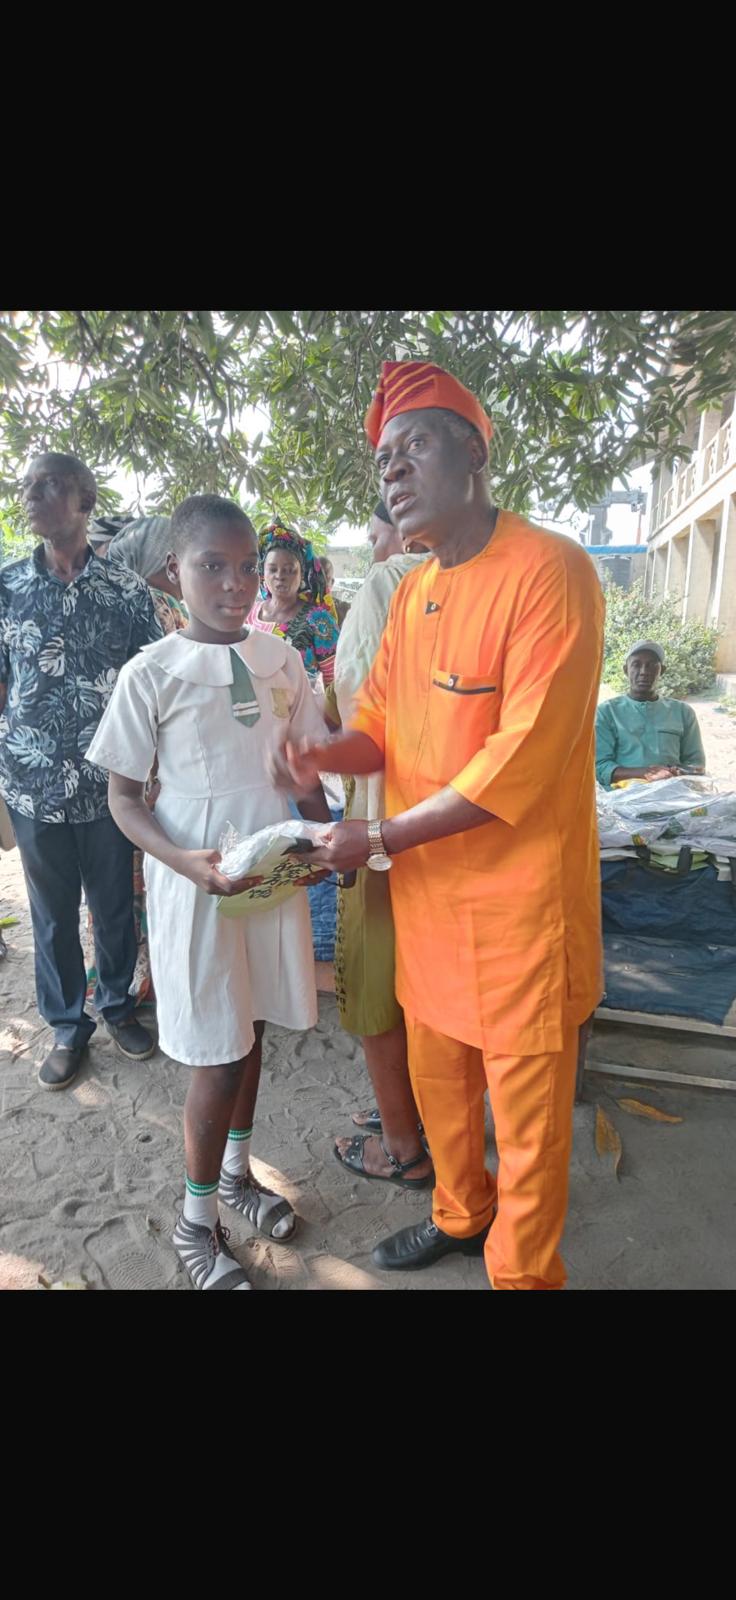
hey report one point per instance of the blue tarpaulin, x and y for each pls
(670, 943)
(697, 907)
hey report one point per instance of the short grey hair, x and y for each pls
(459, 428)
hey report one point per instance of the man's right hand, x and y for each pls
(292, 766)
(653, 774)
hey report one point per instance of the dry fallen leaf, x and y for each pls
(607, 1139)
(637, 1108)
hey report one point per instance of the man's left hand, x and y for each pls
(342, 847)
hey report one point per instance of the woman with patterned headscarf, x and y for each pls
(294, 602)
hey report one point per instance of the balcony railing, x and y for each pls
(693, 478)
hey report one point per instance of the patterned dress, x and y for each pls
(314, 632)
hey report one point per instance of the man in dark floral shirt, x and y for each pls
(68, 623)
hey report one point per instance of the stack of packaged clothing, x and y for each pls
(678, 823)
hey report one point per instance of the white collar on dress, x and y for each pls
(263, 654)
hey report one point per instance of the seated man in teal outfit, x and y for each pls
(638, 735)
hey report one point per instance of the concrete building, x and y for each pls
(622, 564)
(349, 561)
(691, 537)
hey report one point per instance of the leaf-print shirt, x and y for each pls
(61, 648)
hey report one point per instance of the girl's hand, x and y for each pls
(200, 866)
(153, 790)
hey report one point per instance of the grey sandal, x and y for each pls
(198, 1248)
(246, 1195)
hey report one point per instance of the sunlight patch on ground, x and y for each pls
(17, 1272)
(91, 1093)
(332, 1273)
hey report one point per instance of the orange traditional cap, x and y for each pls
(416, 385)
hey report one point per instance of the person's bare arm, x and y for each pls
(293, 766)
(133, 817)
(439, 817)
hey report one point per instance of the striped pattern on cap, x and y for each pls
(416, 385)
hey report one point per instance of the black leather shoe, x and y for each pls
(421, 1245)
(60, 1067)
(132, 1039)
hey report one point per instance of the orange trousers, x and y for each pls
(531, 1100)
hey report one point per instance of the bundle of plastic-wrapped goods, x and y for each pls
(618, 834)
(709, 826)
(687, 810)
(278, 856)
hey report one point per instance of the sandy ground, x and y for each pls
(91, 1179)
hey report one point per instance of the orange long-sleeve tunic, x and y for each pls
(487, 679)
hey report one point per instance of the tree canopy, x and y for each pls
(578, 398)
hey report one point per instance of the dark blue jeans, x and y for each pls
(58, 858)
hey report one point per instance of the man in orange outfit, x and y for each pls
(481, 706)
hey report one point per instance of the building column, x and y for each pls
(724, 599)
(687, 569)
(700, 569)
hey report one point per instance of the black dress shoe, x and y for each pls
(132, 1039)
(421, 1245)
(60, 1067)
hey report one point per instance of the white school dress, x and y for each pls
(214, 975)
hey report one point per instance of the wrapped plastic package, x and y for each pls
(265, 855)
(686, 810)
(663, 799)
(710, 825)
(617, 832)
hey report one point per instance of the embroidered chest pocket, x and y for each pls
(460, 683)
(462, 712)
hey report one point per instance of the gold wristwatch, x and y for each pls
(378, 860)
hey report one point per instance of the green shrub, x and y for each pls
(690, 647)
(15, 539)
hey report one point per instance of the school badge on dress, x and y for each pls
(280, 702)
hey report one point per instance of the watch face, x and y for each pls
(379, 863)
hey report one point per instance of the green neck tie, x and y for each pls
(242, 694)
